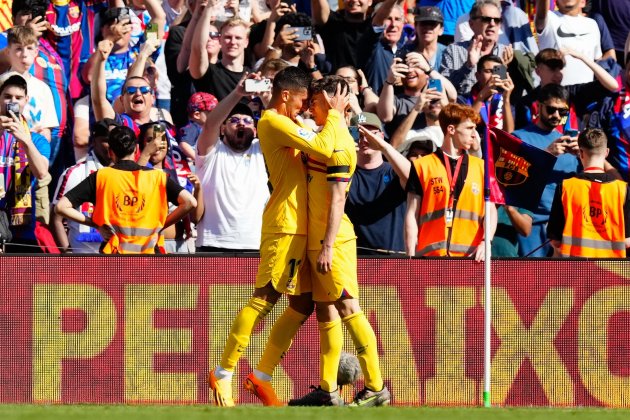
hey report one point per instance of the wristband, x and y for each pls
(313, 69)
(387, 82)
(428, 72)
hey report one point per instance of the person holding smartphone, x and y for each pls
(23, 161)
(490, 96)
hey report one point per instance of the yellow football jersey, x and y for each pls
(282, 142)
(340, 167)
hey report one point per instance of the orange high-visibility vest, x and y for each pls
(134, 206)
(593, 211)
(467, 229)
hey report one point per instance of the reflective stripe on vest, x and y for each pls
(466, 232)
(133, 205)
(594, 243)
(594, 218)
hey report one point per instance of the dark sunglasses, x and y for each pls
(563, 112)
(215, 35)
(488, 19)
(245, 120)
(130, 90)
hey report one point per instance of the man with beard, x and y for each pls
(553, 109)
(231, 169)
(283, 243)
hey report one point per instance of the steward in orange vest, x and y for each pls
(445, 206)
(590, 214)
(130, 201)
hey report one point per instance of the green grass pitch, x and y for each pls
(252, 412)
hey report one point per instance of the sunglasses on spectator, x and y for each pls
(245, 120)
(488, 19)
(130, 90)
(563, 112)
(215, 35)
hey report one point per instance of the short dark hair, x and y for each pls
(291, 78)
(550, 57)
(33, 7)
(142, 137)
(490, 57)
(593, 140)
(16, 81)
(294, 20)
(328, 84)
(553, 91)
(122, 141)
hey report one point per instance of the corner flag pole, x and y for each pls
(487, 318)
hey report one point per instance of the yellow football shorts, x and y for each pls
(341, 280)
(283, 263)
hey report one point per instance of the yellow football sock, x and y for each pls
(364, 341)
(330, 342)
(280, 339)
(242, 327)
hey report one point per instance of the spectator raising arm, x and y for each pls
(183, 58)
(386, 108)
(400, 164)
(602, 76)
(211, 130)
(98, 86)
(158, 16)
(425, 97)
(137, 68)
(540, 18)
(117, 31)
(320, 11)
(199, 62)
(282, 8)
(382, 12)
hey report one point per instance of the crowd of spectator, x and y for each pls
(174, 69)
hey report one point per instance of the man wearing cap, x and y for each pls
(377, 200)
(23, 161)
(199, 106)
(81, 238)
(429, 24)
(231, 169)
(451, 10)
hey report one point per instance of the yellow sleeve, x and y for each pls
(289, 134)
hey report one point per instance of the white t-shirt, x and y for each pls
(235, 192)
(81, 237)
(40, 109)
(578, 33)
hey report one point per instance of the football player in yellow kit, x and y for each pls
(283, 138)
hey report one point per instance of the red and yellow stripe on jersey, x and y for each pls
(339, 168)
(282, 142)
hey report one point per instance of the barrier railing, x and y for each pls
(135, 329)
